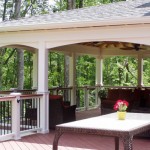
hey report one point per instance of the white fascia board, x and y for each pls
(81, 24)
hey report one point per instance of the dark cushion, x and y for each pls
(108, 103)
(113, 94)
(55, 97)
(31, 113)
(125, 94)
(137, 98)
(147, 98)
(69, 113)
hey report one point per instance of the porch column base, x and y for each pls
(43, 123)
(43, 131)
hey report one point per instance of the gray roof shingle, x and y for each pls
(104, 12)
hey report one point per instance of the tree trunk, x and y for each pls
(4, 11)
(71, 4)
(20, 69)
(66, 75)
(17, 9)
(1, 65)
(2, 50)
(80, 3)
(20, 53)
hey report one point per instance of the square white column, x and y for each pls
(140, 70)
(42, 68)
(35, 70)
(43, 87)
(72, 77)
(99, 71)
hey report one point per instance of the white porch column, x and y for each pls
(72, 77)
(43, 87)
(140, 70)
(35, 70)
(99, 71)
(99, 78)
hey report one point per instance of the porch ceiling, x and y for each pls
(105, 48)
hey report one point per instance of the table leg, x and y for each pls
(127, 142)
(56, 138)
(116, 143)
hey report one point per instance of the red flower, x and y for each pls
(116, 107)
(121, 105)
(126, 103)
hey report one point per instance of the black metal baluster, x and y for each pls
(4, 110)
(27, 106)
(21, 115)
(35, 121)
(10, 112)
(39, 112)
(1, 117)
(7, 117)
(24, 114)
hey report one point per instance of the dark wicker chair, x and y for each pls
(59, 112)
(30, 116)
(69, 113)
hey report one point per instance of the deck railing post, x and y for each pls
(97, 88)
(44, 113)
(16, 116)
(86, 98)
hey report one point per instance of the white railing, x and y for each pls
(87, 97)
(65, 91)
(12, 125)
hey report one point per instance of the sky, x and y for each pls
(51, 2)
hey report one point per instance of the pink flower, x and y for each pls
(121, 105)
(125, 103)
(116, 107)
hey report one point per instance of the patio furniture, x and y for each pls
(31, 116)
(139, 100)
(142, 101)
(112, 96)
(108, 125)
(59, 112)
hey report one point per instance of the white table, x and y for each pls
(108, 125)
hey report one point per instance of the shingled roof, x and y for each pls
(105, 14)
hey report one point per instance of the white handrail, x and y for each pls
(15, 115)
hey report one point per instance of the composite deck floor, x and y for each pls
(71, 141)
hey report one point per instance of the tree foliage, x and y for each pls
(120, 71)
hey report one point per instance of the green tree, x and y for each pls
(120, 71)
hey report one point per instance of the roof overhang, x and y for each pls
(81, 24)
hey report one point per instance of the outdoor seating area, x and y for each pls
(59, 112)
(57, 64)
(139, 99)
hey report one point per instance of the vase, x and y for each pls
(121, 115)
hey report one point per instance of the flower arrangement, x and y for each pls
(121, 105)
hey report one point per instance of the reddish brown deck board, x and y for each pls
(71, 141)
